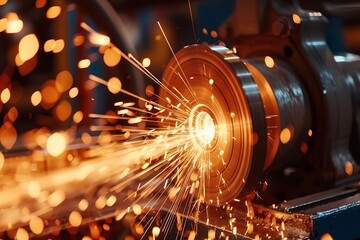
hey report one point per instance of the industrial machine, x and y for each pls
(255, 136)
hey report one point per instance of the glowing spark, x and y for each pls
(137, 209)
(84, 63)
(5, 95)
(14, 24)
(36, 225)
(310, 133)
(83, 204)
(112, 56)
(49, 45)
(78, 117)
(269, 62)
(114, 85)
(285, 135)
(56, 144)
(75, 219)
(296, 18)
(135, 120)
(36, 98)
(28, 47)
(146, 62)
(155, 232)
(73, 92)
(58, 46)
(53, 12)
(22, 234)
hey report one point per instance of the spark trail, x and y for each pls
(158, 158)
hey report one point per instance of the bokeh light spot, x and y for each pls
(146, 62)
(112, 56)
(114, 85)
(36, 98)
(22, 234)
(28, 47)
(5, 95)
(84, 63)
(36, 225)
(269, 62)
(75, 219)
(56, 144)
(64, 81)
(53, 12)
(73, 92)
(78, 117)
(63, 110)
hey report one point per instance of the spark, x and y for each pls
(167, 158)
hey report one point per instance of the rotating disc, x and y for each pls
(225, 117)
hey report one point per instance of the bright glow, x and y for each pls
(5, 95)
(112, 56)
(146, 62)
(83, 204)
(296, 18)
(14, 24)
(49, 45)
(28, 47)
(73, 92)
(36, 225)
(22, 234)
(78, 117)
(58, 45)
(310, 133)
(56, 144)
(205, 127)
(137, 209)
(285, 135)
(53, 12)
(3, 2)
(85, 63)
(114, 85)
(99, 39)
(75, 219)
(156, 232)
(202, 125)
(269, 62)
(36, 98)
